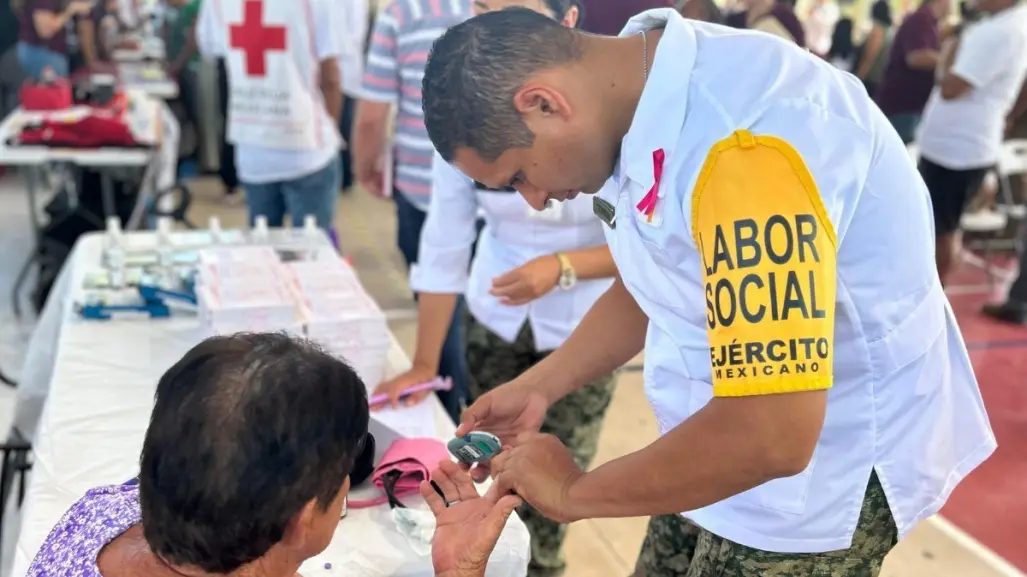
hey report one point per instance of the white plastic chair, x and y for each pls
(991, 224)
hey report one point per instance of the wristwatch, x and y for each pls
(568, 278)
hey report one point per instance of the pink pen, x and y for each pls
(436, 384)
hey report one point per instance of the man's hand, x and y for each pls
(395, 387)
(506, 411)
(541, 471)
(367, 145)
(947, 57)
(527, 282)
(467, 526)
(373, 181)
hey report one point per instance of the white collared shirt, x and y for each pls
(514, 234)
(842, 294)
(967, 132)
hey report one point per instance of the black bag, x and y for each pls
(69, 220)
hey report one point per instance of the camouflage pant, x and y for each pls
(676, 547)
(576, 420)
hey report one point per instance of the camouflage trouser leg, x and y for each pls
(576, 420)
(675, 547)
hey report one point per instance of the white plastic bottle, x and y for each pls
(259, 234)
(311, 236)
(165, 252)
(114, 253)
(214, 225)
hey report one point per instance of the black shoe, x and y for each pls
(1006, 312)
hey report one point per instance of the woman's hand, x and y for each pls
(467, 525)
(394, 387)
(527, 282)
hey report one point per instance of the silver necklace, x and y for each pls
(645, 57)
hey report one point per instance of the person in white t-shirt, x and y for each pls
(285, 100)
(960, 137)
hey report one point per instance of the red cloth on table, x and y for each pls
(92, 131)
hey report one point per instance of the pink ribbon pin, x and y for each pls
(647, 205)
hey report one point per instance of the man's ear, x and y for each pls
(536, 99)
(301, 526)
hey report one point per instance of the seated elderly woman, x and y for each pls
(244, 471)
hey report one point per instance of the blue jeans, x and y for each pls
(313, 194)
(33, 59)
(453, 363)
(905, 124)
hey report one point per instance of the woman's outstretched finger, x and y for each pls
(435, 501)
(462, 480)
(446, 476)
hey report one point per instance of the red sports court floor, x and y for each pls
(991, 504)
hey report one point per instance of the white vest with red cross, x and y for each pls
(273, 70)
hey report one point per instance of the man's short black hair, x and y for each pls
(246, 430)
(474, 71)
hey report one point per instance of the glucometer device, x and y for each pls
(475, 447)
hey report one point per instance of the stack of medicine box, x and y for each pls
(245, 289)
(338, 314)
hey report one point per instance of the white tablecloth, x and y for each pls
(133, 76)
(98, 380)
(151, 121)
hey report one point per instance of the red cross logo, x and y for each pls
(255, 39)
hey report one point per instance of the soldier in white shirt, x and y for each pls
(285, 99)
(775, 252)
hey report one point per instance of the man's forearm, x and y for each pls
(609, 335)
(946, 58)
(923, 59)
(717, 453)
(593, 263)
(869, 56)
(331, 87)
(368, 138)
(332, 93)
(434, 315)
(48, 24)
(87, 41)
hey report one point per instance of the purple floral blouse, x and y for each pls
(95, 520)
